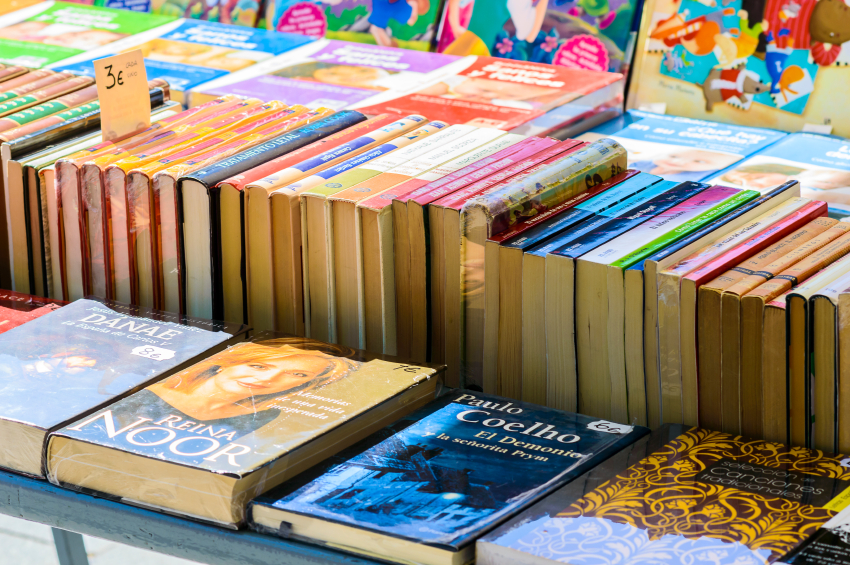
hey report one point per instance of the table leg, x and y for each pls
(70, 547)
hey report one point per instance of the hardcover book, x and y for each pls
(83, 356)
(189, 53)
(235, 424)
(584, 35)
(50, 32)
(427, 492)
(17, 309)
(818, 162)
(726, 500)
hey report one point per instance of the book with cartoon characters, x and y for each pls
(50, 32)
(821, 163)
(410, 24)
(245, 13)
(423, 490)
(236, 424)
(579, 34)
(189, 53)
(779, 64)
(79, 358)
(679, 496)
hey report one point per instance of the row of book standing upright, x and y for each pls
(373, 456)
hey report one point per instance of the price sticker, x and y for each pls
(153, 352)
(122, 87)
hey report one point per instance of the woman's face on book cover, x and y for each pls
(268, 377)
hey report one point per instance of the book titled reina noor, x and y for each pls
(208, 439)
(424, 494)
(77, 359)
(683, 496)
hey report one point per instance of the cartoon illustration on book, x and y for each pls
(583, 34)
(388, 23)
(745, 52)
(237, 12)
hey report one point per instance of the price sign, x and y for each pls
(153, 352)
(122, 86)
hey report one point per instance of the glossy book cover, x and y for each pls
(704, 497)
(249, 405)
(469, 463)
(87, 353)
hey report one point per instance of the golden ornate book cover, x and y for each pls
(704, 497)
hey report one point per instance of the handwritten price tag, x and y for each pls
(122, 86)
(153, 352)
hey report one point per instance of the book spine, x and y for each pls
(53, 91)
(767, 237)
(687, 228)
(79, 98)
(447, 169)
(37, 80)
(803, 269)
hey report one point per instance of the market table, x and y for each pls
(71, 513)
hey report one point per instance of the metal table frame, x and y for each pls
(71, 513)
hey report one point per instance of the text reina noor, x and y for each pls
(548, 431)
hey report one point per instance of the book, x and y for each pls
(39, 136)
(13, 109)
(236, 423)
(446, 240)
(411, 25)
(246, 14)
(319, 298)
(812, 274)
(599, 284)
(735, 400)
(582, 36)
(774, 351)
(412, 239)
(29, 82)
(84, 356)
(494, 92)
(336, 74)
(816, 161)
(513, 339)
(17, 308)
(678, 368)
(683, 148)
(606, 516)
(532, 449)
(826, 319)
(204, 211)
(645, 365)
(189, 53)
(378, 288)
(50, 32)
(342, 233)
(827, 542)
(274, 271)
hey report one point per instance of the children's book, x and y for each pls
(245, 13)
(579, 34)
(769, 63)
(409, 24)
(821, 163)
(188, 53)
(50, 32)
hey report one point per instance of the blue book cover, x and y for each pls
(631, 219)
(623, 208)
(470, 462)
(821, 163)
(188, 53)
(594, 207)
(685, 149)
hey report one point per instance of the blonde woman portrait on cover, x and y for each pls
(241, 387)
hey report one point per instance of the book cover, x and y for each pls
(245, 13)
(726, 500)
(499, 93)
(680, 148)
(818, 162)
(84, 355)
(471, 461)
(408, 24)
(258, 411)
(188, 53)
(579, 35)
(332, 73)
(745, 63)
(52, 31)
(17, 308)
(78, 99)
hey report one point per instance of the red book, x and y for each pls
(506, 94)
(17, 308)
